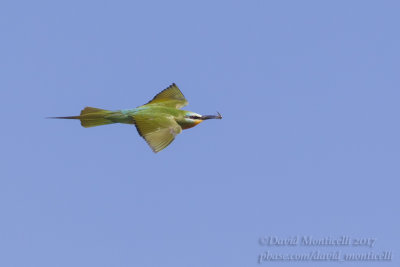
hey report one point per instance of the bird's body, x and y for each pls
(158, 121)
(160, 112)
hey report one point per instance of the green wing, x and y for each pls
(170, 97)
(158, 132)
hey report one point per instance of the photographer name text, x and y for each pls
(311, 241)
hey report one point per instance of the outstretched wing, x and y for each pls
(158, 132)
(170, 97)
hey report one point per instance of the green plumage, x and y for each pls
(158, 121)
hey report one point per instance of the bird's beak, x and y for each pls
(207, 117)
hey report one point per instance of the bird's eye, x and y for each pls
(194, 117)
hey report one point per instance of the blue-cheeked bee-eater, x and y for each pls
(158, 121)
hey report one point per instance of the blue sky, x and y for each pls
(308, 146)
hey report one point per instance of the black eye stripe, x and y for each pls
(194, 117)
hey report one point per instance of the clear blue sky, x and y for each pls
(309, 143)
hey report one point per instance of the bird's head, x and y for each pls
(191, 119)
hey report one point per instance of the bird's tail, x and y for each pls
(91, 117)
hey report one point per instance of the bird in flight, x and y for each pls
(158, 121)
